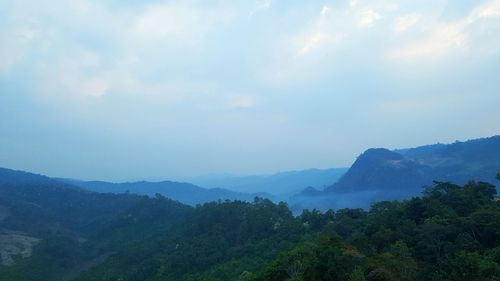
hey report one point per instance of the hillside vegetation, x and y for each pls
(451, 232)
(382, 174)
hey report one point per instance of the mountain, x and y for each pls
(459, 162)
(410, 169)
(382, 169)
(382, 174)
(8, 176)
(51, 230)
(183, 192)
(279, 184)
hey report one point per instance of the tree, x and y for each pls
(357, 275)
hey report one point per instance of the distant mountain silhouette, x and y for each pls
(8, 176)
(408, 170)
(22, 178)
(283, 183)
(183, 192)
(379, 168)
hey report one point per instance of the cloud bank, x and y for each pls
(178, 88)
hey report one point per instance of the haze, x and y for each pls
(118, 90)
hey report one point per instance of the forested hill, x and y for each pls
(382, 174)
(14, 177)
(406, 171)
(51, 231)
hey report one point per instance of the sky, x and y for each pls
(120, 90)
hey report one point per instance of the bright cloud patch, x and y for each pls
(367, 18)
(403, 23)
(445, 39)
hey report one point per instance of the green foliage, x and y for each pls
(450, 233)
(396, 264)
(357, 275)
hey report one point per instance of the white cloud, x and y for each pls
(368, 17)
(403, 23)
(173, 67)
(489, 9)
(13, 44)
(304, 40)
(333, 25)
(175, 19)
(73, 78)
(311, 41)
(445, 39)
(324, 10)
(261, 5)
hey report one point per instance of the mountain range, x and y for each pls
(183, 192)
(383, 174)
(376, 174)
(52, 229)
(281, 184)
(410, 169)
(60, 229)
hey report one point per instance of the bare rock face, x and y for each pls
(14, 244)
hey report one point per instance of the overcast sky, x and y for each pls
(118, 90)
